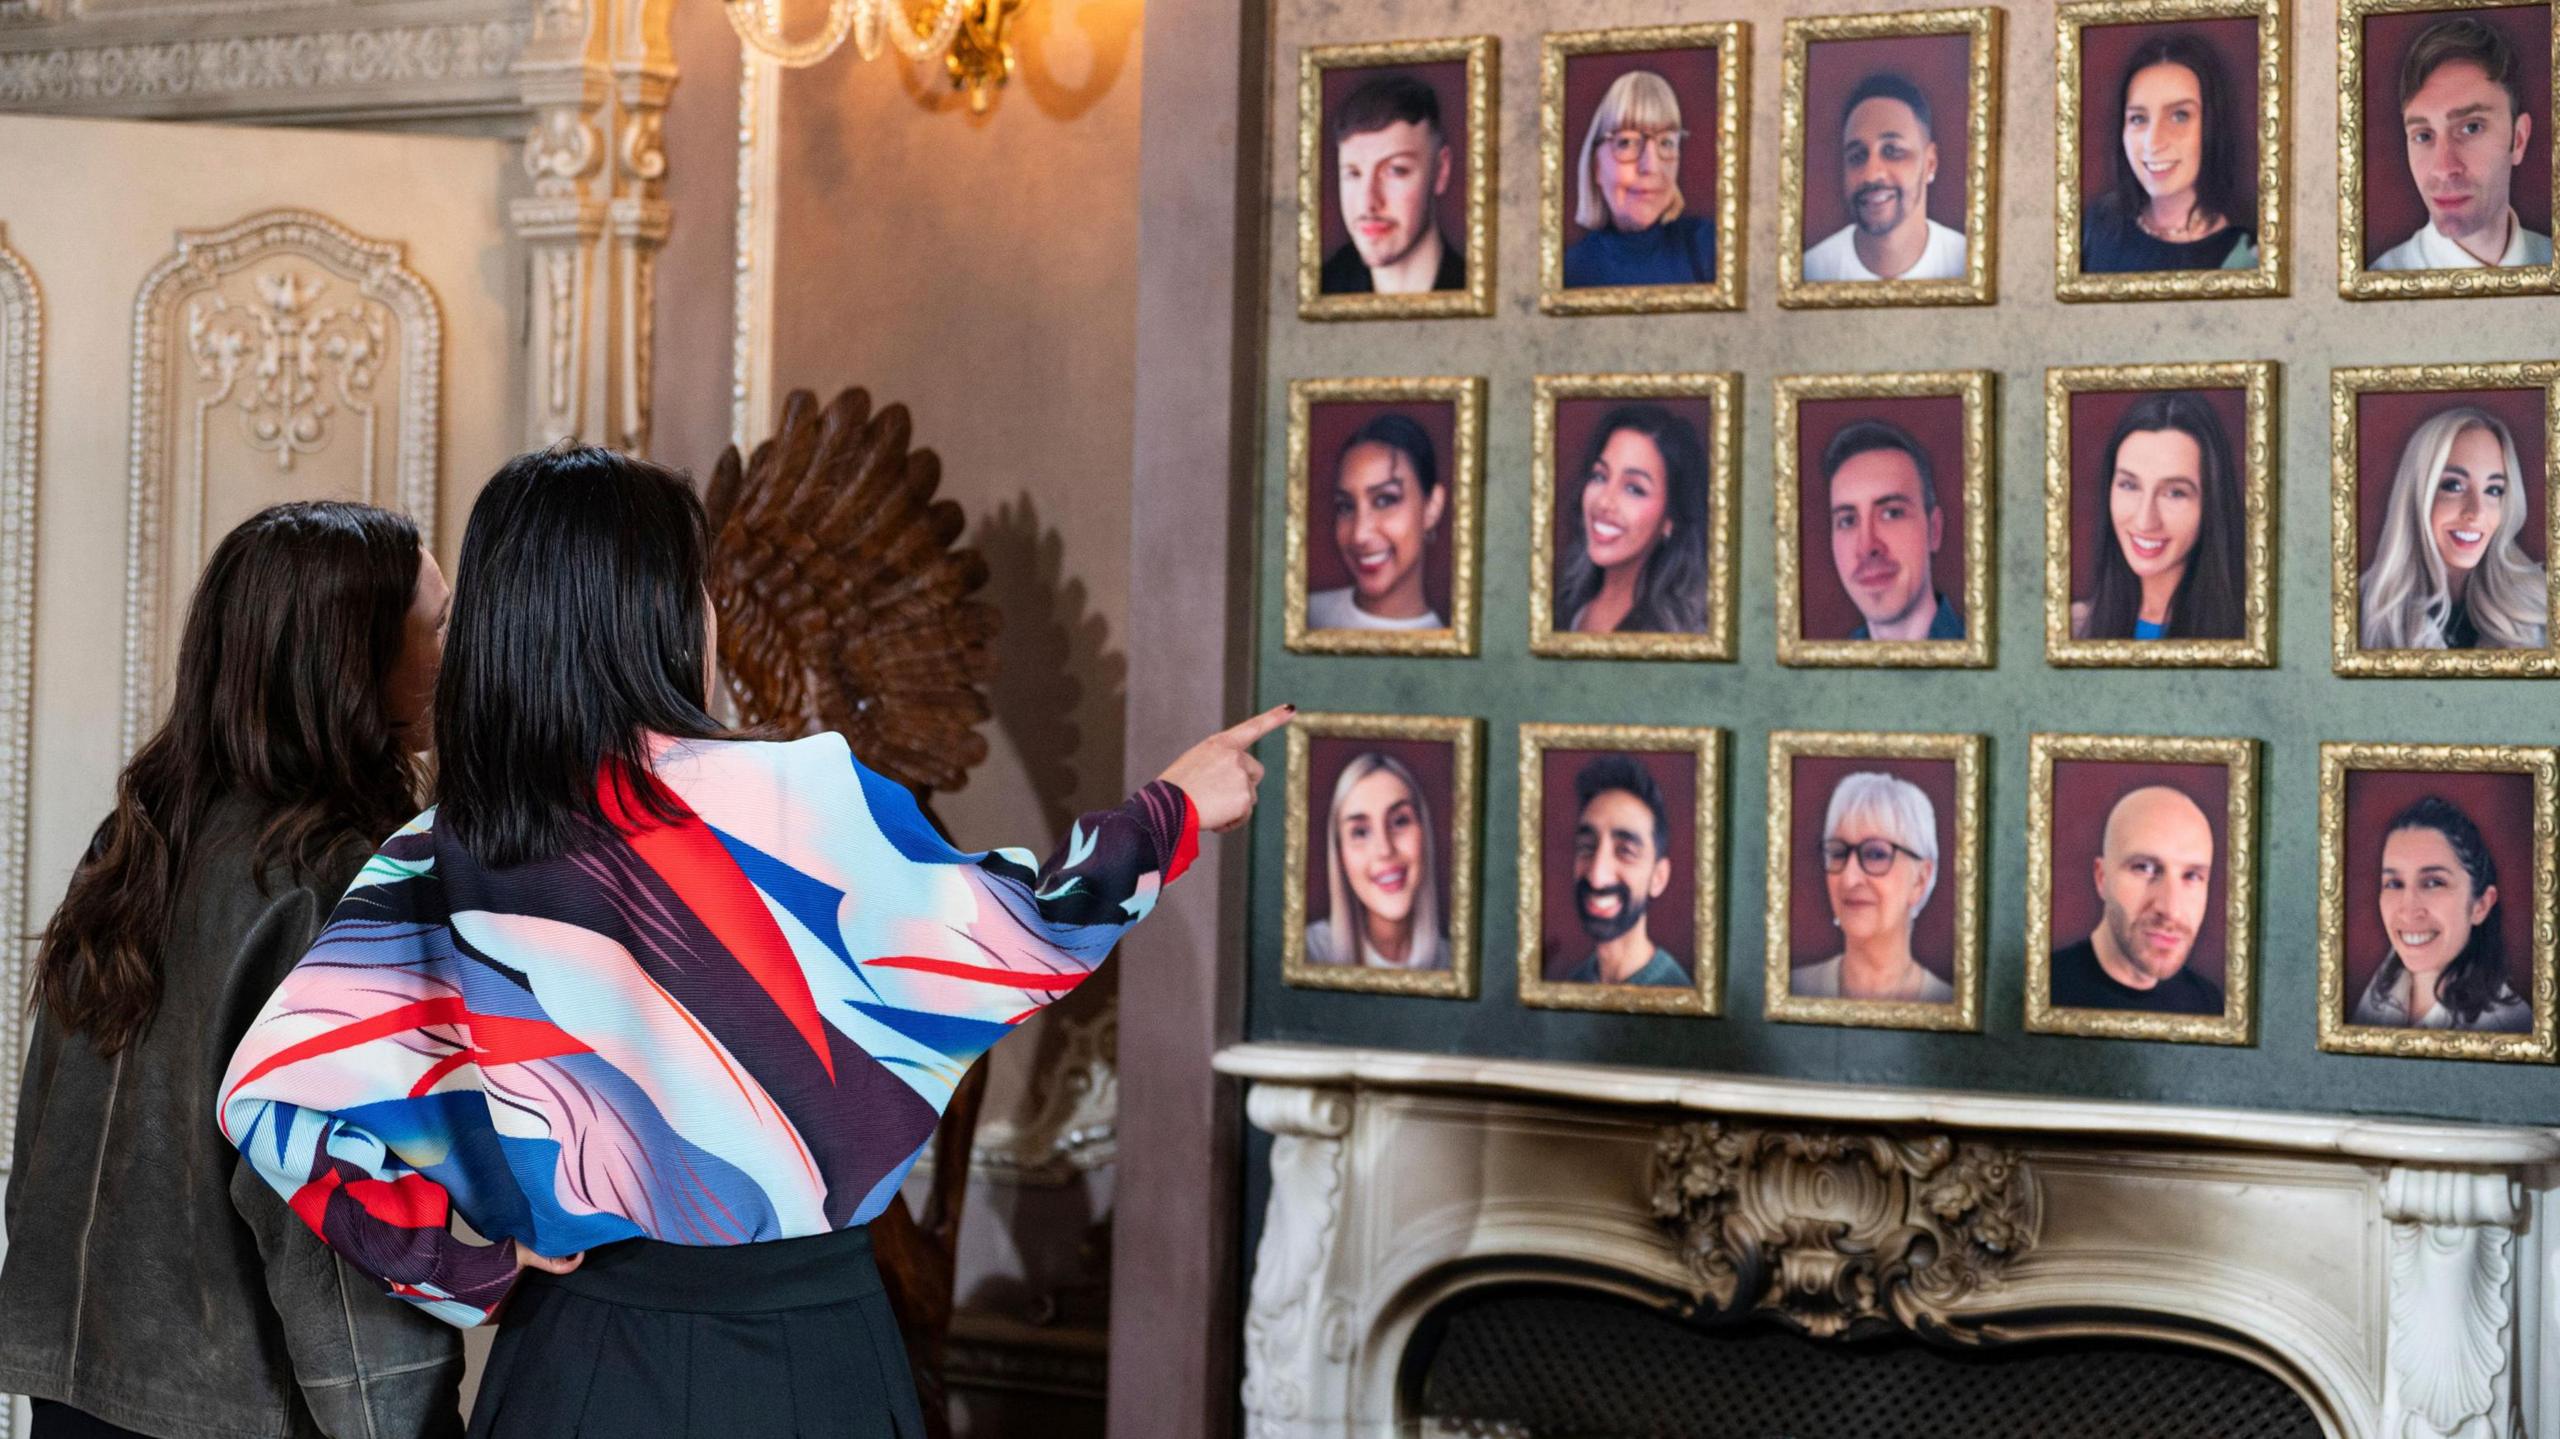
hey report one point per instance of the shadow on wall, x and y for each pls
(1067, 55)
(1060, 690)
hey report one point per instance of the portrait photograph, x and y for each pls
(1643, 196)
(1883, 512)
(1633, 481)
(2169, 130)
(2139, 886)
(1887, 182)
(2444, 120)
(1875, 879)
(2159, 491)
(2442, 525)
(1381, 854)
(1395, 179)
(1381, 544)
(1620, 837)
(2435, 877)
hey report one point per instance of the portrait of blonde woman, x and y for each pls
(1880, 865)
(2450, 570)
(1638, 227)
(1381, 872)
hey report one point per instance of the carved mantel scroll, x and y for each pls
(1296, 1328)
(1840, 1233)
(284, 341)
(596, 75)
(2451, 1371)
(21, 394)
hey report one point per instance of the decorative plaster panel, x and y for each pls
(21, 358)
(287, 357)
(431, 65)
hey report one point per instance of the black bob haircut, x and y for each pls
(577, 634)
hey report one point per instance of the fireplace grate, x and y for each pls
(1552, 1363)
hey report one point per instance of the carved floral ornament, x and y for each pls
(1842, 1234)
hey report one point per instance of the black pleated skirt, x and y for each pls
(788, 1339)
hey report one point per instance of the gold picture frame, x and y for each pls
(1465, 480)
(1706, 746)
(2337, 1035)
(2272, 275)
(1974, 388)
(2346, 386)
(2239, 757)
(1963, 880)
(1731, 40)
(1724, 456)
(1463, 735)
(2255, 647)
(1481, 54)
(2355, 281)
(1980, 283)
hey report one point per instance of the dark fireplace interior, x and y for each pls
(1552, 1362)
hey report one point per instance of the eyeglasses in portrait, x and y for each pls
(1643, 198)
(1889, 131)
(1633, 493)
(1381, 854)
(2442, 521)
(1381, 545)
(2170, 136)
(1621, 831)
(2159, 496)
(2140, 886)
(1875, 880)
(2436, 879)
(2446, 163)
(1396, 164)
(1883, 517)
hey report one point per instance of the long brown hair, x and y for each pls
(292, 634)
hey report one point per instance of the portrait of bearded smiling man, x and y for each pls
(1621, 864)
(1888, 160)
(1392, 163)
(2154, 876)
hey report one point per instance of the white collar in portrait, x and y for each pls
(2432, 249)
(1335, 610)
(1836, 257)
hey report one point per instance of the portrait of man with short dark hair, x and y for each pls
(1886, 532)
(2464, 119)
(1887, 138)
(1392, 165)
(1622, 863)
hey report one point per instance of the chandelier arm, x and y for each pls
(924, 45)
(761, 32)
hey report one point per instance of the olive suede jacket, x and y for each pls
(152, 1280)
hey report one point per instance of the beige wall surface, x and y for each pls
(697, 278)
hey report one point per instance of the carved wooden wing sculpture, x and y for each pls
(843, 606)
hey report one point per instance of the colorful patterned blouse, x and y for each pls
(743, 1026)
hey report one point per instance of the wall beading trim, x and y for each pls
(21, 414)
(289, 67)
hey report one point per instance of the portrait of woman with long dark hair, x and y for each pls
(2180, 198)
(1637, 561)
(2172, 551)
(2447, 968)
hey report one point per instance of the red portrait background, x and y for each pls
(1576, 422)
(2094, 414)
(1672, 919)
(1692, 73)
(1448, 80)
(1329, 426)
(2384, 422)
(1940, 65)
(2501, 804)
(2085, 791)
(1434, 764)
(1937, 422)
(2104, 52)
(2393, 210)
(1811, 936)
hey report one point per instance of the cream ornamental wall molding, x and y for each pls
(21, 408)
(2389, 1272)
(296, 331)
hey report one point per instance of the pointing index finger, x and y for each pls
(1254, 729)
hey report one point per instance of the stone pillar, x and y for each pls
(2450, 1362)
(1297, 1329)
(596, 75)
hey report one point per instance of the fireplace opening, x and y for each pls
(1554, 1362)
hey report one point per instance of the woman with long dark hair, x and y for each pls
(2177, 202)
(684, 1003)
(2447, 968)
(153, 1286)
(2172, 555)
(1637, 561)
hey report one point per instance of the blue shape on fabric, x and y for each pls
(902, 821)
(812, 901)
(952, 1035)
(877, 1201)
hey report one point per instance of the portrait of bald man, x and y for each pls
(2154, 879)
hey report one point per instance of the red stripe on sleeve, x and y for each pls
(978, 973)
(1186, 845)
(412, 1201)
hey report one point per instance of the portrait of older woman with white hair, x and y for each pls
(2450, 571)
(1626, 194)
(1382, 872)
(1880, 867)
